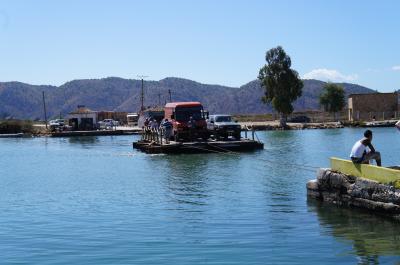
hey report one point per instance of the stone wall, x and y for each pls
(347, 190)
(365, 107)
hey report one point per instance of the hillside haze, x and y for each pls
(24, 101)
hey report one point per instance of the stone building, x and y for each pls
(375, 106)
(84, 118)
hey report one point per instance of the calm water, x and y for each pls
(97, 201)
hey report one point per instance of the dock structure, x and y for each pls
(94, 133)
(243, 145)
(373, 188)
(11, 135)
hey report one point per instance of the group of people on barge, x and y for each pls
(153, 130)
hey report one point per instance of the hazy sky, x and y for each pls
(218, 42)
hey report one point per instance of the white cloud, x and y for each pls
(396, 68)
(329, 75)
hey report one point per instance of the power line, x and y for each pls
(44, 109)
(142, 92)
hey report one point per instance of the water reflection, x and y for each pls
(188, 178)
(371, 236)
(85, 141)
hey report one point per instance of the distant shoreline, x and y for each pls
(275, 126)
(38, 129)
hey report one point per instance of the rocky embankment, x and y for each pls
(347, 190)
(274, 125)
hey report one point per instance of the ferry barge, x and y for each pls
(187, 126)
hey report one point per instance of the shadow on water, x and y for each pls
(371, 236)
(84, 141)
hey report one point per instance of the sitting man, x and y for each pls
(359, 153)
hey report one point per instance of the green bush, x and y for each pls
(15, 126)
(253, 118)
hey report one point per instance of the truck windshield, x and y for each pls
(184, 113)
(223, 119)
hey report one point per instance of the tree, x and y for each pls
(332, 98)
(282, 84)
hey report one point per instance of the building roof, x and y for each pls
(82, 110)
(183, 104)
(369, 94)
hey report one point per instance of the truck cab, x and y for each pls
(179, 114)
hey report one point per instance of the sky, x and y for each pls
(214, 42)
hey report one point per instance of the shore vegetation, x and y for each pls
(16, 126)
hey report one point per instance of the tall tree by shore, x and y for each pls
(281, 83)
(332, 98)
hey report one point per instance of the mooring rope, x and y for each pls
(204, 149)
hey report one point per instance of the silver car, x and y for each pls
(108, 123)
(222, 126)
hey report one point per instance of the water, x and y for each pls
(98, 201)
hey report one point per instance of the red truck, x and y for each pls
(179, 114)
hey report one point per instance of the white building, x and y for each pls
(82, 118)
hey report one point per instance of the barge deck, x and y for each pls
(243, 145)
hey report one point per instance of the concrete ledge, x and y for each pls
(379, 174)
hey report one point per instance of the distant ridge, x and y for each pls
(24, 101)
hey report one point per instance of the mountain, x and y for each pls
(24, 101)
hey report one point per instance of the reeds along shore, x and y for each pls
(17, 126)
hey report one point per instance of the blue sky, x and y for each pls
(217, 42)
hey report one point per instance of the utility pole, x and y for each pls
(170, 96)
(44, 108)
(142, 92)
(159, 98)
